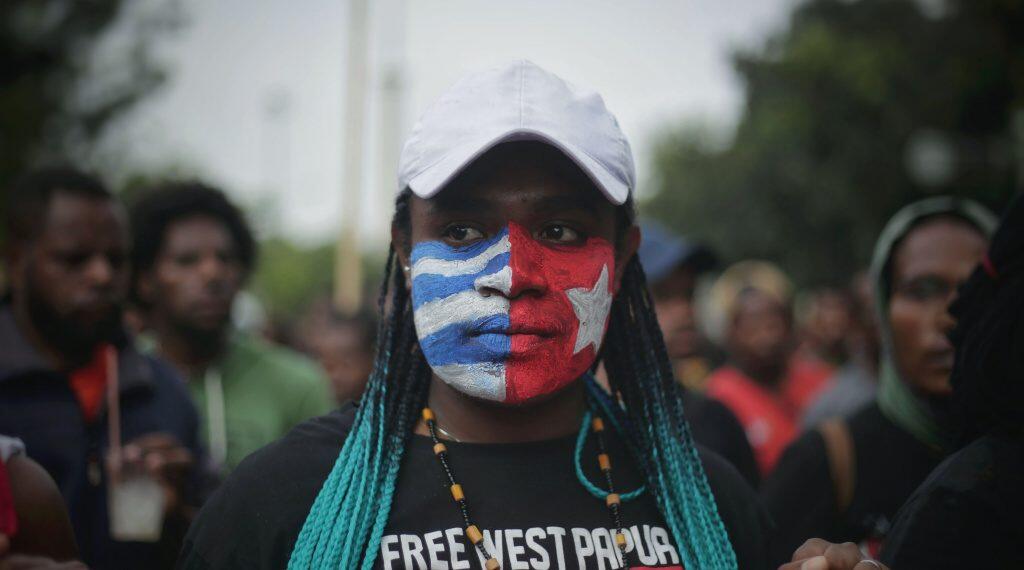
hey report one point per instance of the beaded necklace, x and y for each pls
(612, 499)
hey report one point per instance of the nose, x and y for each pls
(526, 262)
(211, 268)
(497, 283)
(100, 271)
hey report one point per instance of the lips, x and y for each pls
(941, 360)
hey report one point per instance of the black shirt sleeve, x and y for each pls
(716, 427)
(745, 519)
(800, 496)
(252, 521)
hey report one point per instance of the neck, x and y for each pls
(765, 374)
(472, 420)
(57, 358)
(191, 352)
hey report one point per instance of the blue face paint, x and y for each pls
(459, 329)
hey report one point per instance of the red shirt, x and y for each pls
(770, 418)
(88, 383)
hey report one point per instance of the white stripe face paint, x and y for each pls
(452, 268)
(483, 380)
(463, 307)
(500, 281)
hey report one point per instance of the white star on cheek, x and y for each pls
(591, 307)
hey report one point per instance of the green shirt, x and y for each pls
(265, 389)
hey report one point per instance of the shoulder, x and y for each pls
(260, 509)
(803, 469)
(966, 512)
(284, 364)
(744, 517)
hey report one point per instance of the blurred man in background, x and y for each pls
(344, 346)
(856, 382)
(673, 265)
(72, 386)
(193, 254)
(825, 318)
(845, 481)
(764, 383)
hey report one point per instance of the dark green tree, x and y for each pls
(855, 109)
(56, 100)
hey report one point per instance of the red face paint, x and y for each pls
(560, 297)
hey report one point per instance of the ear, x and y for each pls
(624, 253)
(400, 241)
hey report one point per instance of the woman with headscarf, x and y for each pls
(845, 481)
(967, 513)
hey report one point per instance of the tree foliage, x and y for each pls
(56, 99)
(855, 109)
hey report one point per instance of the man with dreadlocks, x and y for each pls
(482, 441)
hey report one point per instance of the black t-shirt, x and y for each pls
(715, 427)
(967, 514)
(799, 494)
(526, 498)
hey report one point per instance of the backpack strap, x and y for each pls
(841, 460)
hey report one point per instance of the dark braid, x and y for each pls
(989, 336)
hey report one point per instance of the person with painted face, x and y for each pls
(845, 481)
(482, 440)
(193, 253)
(91, 409)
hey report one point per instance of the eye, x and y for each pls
(559, 233)
(186, 259)
(462, 233)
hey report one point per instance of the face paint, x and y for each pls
(511, 319)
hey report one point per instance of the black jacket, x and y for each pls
(38, 406)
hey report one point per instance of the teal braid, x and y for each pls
(344, 526)
(641, 379)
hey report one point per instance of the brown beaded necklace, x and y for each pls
(612, 499)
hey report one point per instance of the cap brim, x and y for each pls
(433, 179)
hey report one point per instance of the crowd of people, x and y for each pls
(545, 382)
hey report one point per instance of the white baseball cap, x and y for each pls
(519, 101)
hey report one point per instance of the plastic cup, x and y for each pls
(136, 509)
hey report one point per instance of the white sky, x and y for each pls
(656, 62)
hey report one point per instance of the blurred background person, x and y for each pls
(193, 252)
(845, 481)
(64, 355)
(856, 381)
(764, 382)
(344, 346)
(824, 319)
(673, 266)
(967, 513)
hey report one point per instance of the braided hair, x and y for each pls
(989, 336)
(345, 523)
